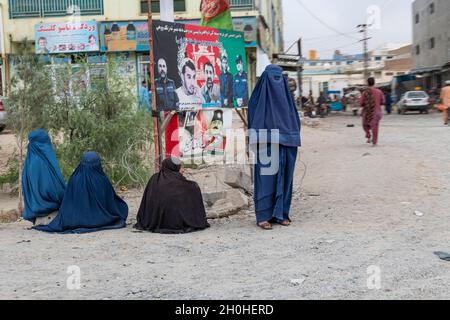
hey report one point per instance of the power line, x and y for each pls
(291, 46)
(323, 22)
(328, 36)
(339, 47)
(323, 50)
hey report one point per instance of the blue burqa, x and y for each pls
(274, 129)
(42, 181)
(90, 202)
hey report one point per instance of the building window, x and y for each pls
(417, 18)
(349, 62)
(178, 5)
(389, 74)
(242, 4)
(432, 43)
(432, 8)
(377, 58)
(43, 8)
(417, 50)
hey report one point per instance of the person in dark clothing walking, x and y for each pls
(388, 103)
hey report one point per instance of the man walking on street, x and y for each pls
(371, 102)
(144, 97)
(445, 97)
(388, 103)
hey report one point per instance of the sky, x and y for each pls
(334, 25)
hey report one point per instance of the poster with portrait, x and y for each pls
(199, 68)
(66, 37)
(202, 133)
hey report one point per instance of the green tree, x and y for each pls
(84, 107)
(95, 109)
(28, 98)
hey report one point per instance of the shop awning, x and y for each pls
(426, 70)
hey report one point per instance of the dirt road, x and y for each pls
(353, 223)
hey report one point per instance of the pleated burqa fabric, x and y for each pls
(171, 203)
(90, 203)
(42, 181)
(274, 126)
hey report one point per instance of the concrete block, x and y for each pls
(234, 202)
(237, 177)
(43, 221)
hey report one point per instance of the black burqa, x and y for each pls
(171, 203)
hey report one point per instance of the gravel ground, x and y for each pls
(352, 213)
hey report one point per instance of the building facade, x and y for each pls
(261, 21)
(431, 41)
(342, 71)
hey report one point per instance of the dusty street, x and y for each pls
(353, 213)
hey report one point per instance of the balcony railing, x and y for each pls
(242, 4)
(53, 8)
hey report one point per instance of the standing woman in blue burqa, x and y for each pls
(42, 181)
(90, 202)
(274, 129)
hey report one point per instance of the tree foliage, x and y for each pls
(84, 107)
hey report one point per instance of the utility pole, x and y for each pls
(363, 29)
(300, 71)
(155, 115)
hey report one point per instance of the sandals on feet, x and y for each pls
(285, 223)
(265, 225)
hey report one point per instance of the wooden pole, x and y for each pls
(152, 81)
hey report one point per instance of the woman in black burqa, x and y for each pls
(171, 203)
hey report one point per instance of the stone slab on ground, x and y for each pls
(43, 221)
(9, 216)
(234, 202)
(238, 177)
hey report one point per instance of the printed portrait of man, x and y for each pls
(166, 95)
(42, 43)
(217, 141)
(226, 84)
(240, 87)
(210, 91)
(189, 93)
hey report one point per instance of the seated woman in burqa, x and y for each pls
(90, 202)
(171, 203)
(42, 181)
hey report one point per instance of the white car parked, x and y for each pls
(414, 101)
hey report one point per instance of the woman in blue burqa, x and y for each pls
(42, 181)
(90, 202)
(274, 130)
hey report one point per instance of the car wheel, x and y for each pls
(2, 127)
(427, 111)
